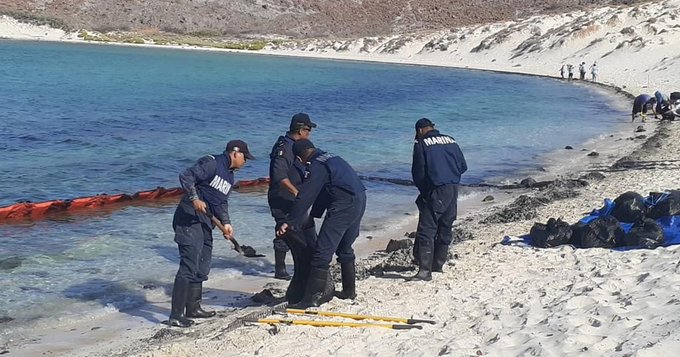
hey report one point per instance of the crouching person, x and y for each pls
(207, 185)
(331, 185)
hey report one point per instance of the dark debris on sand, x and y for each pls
(525, 207)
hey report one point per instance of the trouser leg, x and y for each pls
(448, 195)
(345, 253)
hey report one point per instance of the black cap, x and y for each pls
(301, 146)
(300, 121)
(423, 123)
(240, 145)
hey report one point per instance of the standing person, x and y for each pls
(437, 166)
(333, 186)
(207, 185)
(582, 71)
(285, 178)
(594, 71)
(570, 71)
(641, 104)
(562, 71)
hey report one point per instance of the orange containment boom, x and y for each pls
(40, 210)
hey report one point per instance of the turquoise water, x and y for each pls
(78, 120)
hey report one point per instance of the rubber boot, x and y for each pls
(425, 264)
(348, 281)
(317, 291)
(180, 291)
(194, 308)
(280, 266)
(441, 253)
(302, 257)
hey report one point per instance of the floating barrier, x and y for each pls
(41, 210)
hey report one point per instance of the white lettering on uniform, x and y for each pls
(439, 140)
(220, 184)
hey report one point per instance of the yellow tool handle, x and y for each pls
(357, 317)
(332, 323)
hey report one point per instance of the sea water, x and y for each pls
(79, 120)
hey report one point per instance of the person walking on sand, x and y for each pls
(594, 71)
(438, 164)
(641, 105)
(207, 185)
(582, 71)
(562, 71)
(285, 177)
(332, 186)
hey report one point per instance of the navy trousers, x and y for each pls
(195, 242)
(280, 209)
(437, 211)
(339, 230)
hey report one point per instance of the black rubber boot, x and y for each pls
(425, 264)
(317, 291)
(180, 291)
(441, 253)
(280, 266)
(302, 256)
(348, 281)
(194, 308)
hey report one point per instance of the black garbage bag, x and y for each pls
(602, 232)
(646, 234)
(630, 207)
(665, 205)
(555, 232)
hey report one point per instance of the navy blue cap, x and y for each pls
(423, 123)
(300, 121)
(301, 146)
(241, 146)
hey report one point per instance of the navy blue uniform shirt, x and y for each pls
(437, 160)
(283, 165)
(210, 180)
(328, 178)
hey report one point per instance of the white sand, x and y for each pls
(493, 300)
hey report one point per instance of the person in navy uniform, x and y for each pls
(437, 166)
(330, 185)
(285, 175)
(207, 185)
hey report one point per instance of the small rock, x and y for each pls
(410, 234)
(528, 182)
(641, 137)
(399, 244)
(594, 176)
(594, 153)
(488, 198)
(149, 286)
(4, 319)
(640, 129)
(369, 237)
(263, 297)
(568, 147)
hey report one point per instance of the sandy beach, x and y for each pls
(491, 300)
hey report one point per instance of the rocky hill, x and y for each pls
(292, 18)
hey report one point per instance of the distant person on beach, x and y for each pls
(562, 69)
(207, 185)
(331, 185)
(570, 71)
(594, 71)
(641, 105)
(582, 71)
(438, 164)
(285, 175)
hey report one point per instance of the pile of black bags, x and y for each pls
(604, 228)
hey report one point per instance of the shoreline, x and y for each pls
(375, 291)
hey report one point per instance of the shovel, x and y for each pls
(237, 247)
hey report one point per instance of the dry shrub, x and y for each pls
(586, 31)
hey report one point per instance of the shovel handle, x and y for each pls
(220, 226)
